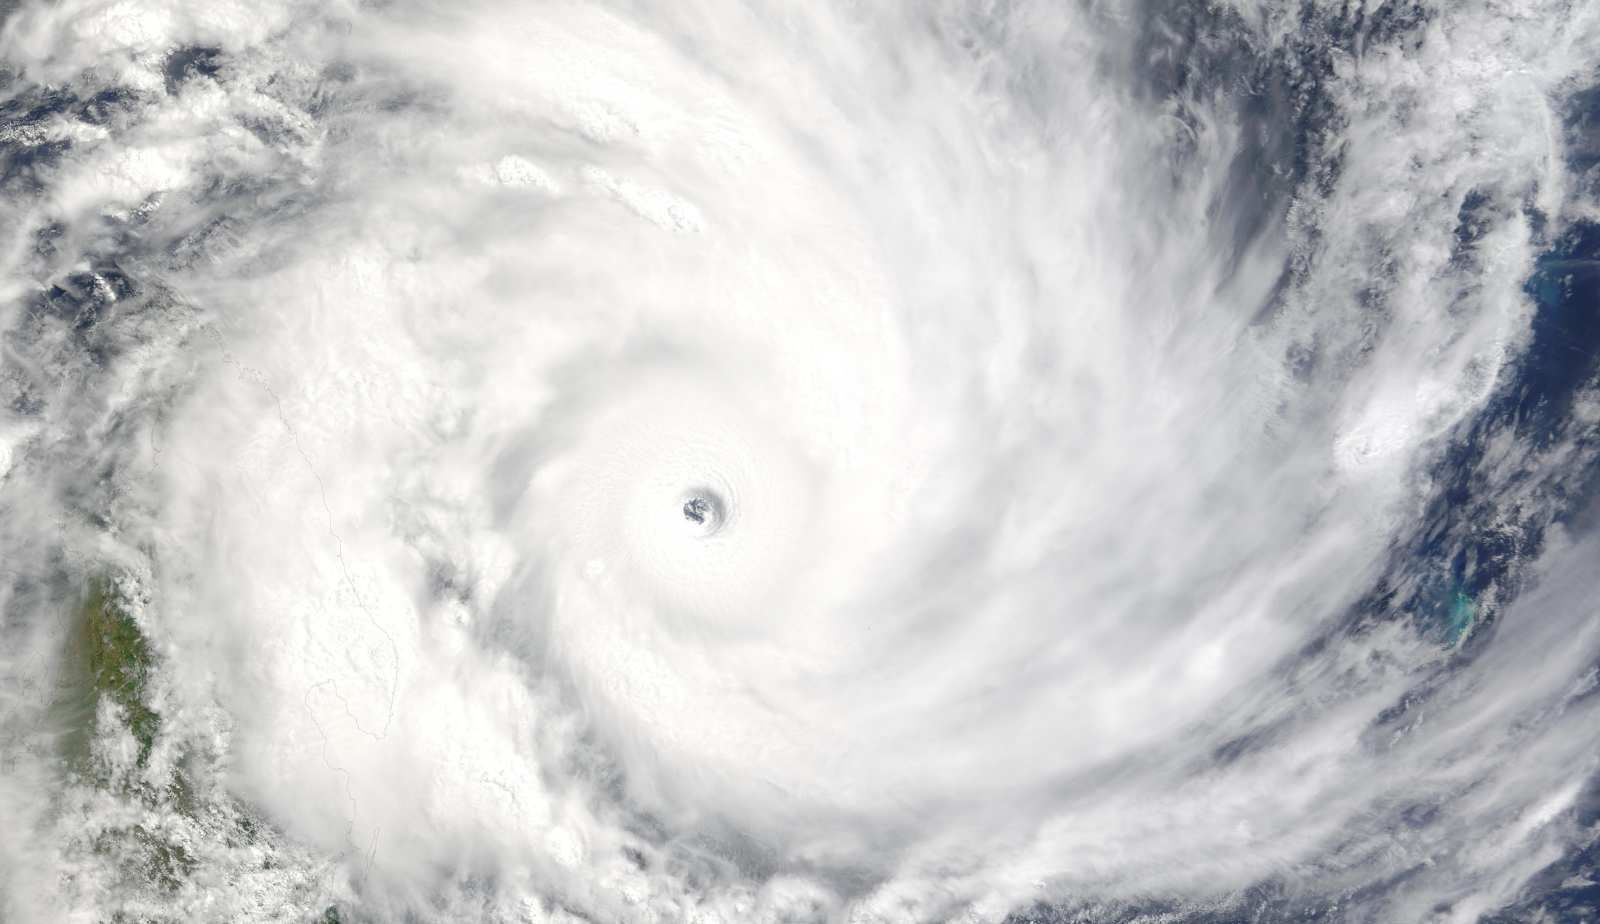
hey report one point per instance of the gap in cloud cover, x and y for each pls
(1150, 446)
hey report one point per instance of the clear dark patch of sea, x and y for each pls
(1458, 553)
(1467, 557)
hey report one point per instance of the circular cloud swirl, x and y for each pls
(872, 465)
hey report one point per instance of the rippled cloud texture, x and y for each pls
(956, 461)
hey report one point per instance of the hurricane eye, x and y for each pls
(704, 512)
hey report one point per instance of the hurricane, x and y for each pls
(983, 461)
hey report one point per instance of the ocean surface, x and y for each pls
(963, 461)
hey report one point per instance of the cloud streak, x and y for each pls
(1067, 397)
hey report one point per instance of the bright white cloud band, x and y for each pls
(706, 464)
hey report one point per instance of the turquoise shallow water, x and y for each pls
(957, 462)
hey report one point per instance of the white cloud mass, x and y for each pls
(1098, 419)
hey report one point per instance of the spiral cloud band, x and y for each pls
(715, 462)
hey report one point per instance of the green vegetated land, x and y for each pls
(109, 658)
(112, 660)
(106, 657)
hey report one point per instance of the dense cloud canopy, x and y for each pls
(897, 462)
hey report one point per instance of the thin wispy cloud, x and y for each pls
(702, 462)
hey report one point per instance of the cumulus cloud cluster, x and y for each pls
(912, 462)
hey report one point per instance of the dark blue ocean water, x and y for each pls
(1466, 558)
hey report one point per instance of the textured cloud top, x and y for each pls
(983, 462)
